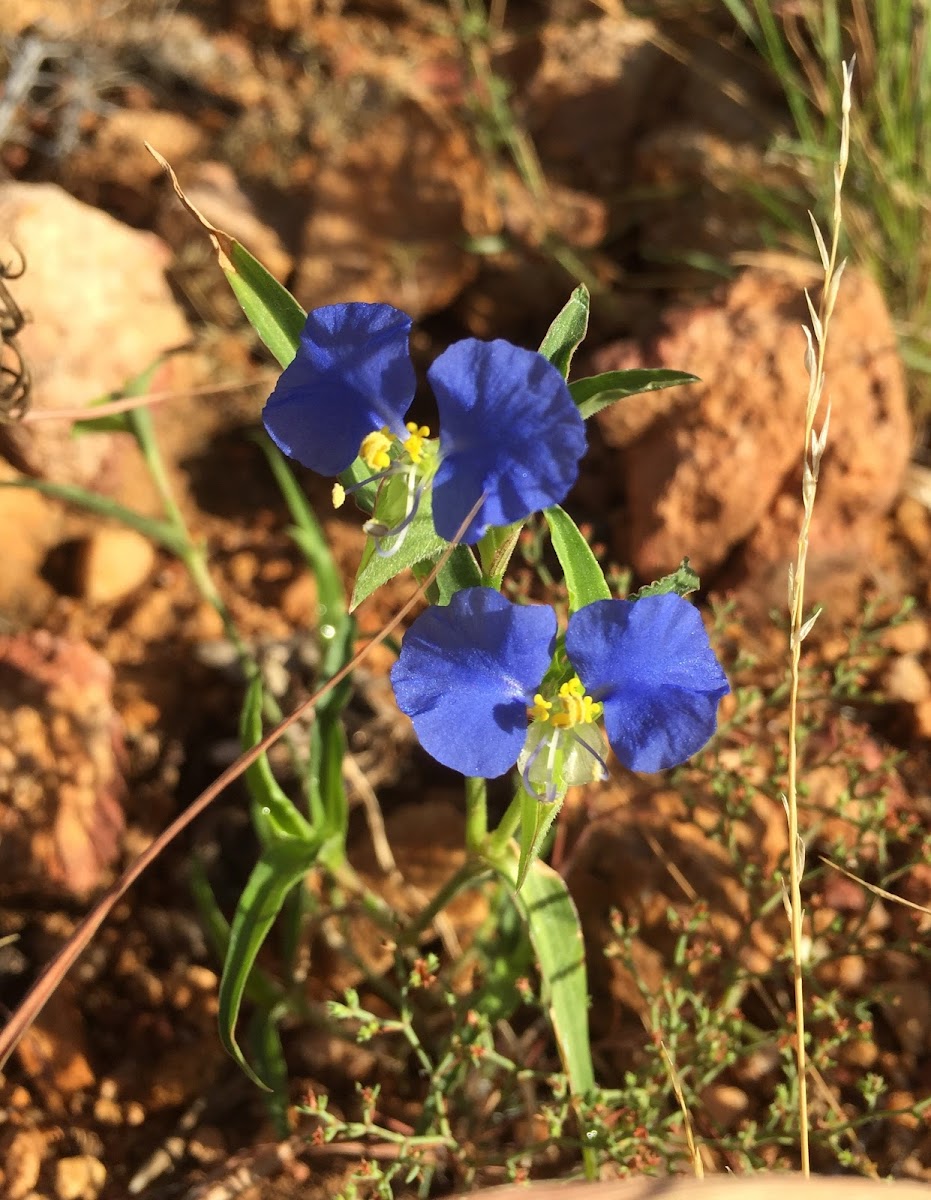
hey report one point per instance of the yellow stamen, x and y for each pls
(572, 707)
(375, 448)
(414, 444)
(339, 495)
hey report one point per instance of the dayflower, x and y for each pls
(479, 682)
(509, 430)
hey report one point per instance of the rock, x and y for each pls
(23, 1161)
(114, 170)
(714, 468)
(54, 1053)
(715, 172)
(906, 681)
(60, 774)
(725, 1104)
(283, 16)
(113, 562)
(80, 1177)
(913, 519)
(911, 637)
(31, 525)
(100, 312)
(923, 719)
(299, 600)
(391, 211)
(907, 1007)
(585, 69)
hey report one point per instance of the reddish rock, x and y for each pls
(99, 312)
(115, 170)
(392, 210)
(716, 467)
(585, 100)
(113, 563)
(61, 818)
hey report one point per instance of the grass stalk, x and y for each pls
(813, 451)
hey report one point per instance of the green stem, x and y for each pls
(476, 829)
(498, 841)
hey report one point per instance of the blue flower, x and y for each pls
(466, 674)
(475, 678)
(649, 664)
(509, 430)
(352, 374)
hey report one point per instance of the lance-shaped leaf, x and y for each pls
(281, 867)
(567, 331)
(270, 308)
(584, 577)
(596, 392)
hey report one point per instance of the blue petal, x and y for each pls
(352, 374)
(508, 427)
(467, 674)
(650, 663)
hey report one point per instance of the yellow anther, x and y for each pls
(574, 707)
(339, 495)
(414, 444)
(541, 709)
(375, 448)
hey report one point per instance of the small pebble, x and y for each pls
(906, 680)
(113, 563)
(79, 1178)
(911, 637)
(725, 1104)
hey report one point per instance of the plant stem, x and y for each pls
(476, 829)
(498, 841)
(811, 457)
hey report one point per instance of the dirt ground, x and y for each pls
(371, 151)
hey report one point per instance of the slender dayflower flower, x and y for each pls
(509, 430)
(479, 682)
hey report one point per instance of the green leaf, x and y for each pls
(118, 422)
(271, 310)
(682, 581)
(274, 814)
(584, 577)
(459, 571)
(327, 791)
(568, 330)
(264, 1041)
(556, 937)
(495, 550)
(281, 867)
(261, 989)
(160, 532)
(596, 392)
(421, 541)
(536, 820)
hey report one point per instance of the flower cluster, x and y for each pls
(510, 434)
(487, 683)
(475, 678)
